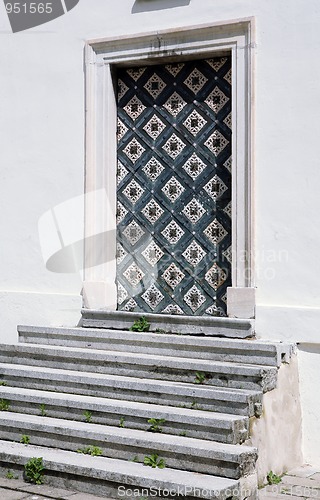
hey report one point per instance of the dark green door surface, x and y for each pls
(174, 187)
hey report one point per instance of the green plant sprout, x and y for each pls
(155, 424)
(140, 325)
(87, 416)
(10, 475)
(200, 377)
(25, 439)
(43, 410)
(4, 405)
(33, 470)
(273, 478)
(94, 451)
(154, 461)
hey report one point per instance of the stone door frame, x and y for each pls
(101, 57)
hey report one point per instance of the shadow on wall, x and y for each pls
(310, 348)
(148, 5)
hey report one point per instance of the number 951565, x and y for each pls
(29, 8)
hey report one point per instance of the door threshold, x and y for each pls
(180, 324)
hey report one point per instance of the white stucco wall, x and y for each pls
(42, 147)
(309, 374)
(42, 155)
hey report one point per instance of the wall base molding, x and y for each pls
(288, 323)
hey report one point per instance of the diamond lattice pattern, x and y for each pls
(174, 247)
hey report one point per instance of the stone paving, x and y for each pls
(15, 489)
(298, 484)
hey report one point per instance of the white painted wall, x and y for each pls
(309, 373)
(42, 155)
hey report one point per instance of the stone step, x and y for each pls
(183, 453)
(220, 374)
(177, 394)
(187, 325)
(220, 427)
(209, 348)
(103, 476)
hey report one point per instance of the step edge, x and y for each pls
(254, 343)
(54, 426)
(93, 353)
(101, 377)
(138, 471)
(75, 401)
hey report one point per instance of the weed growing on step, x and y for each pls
(10, 475)
(3, 383)
(155, 424)
(94, 451)
(140, 325)
(43, 410)
(200, 377)
(25, 439)
(121, 422)
(159, 330)
(87, 416)
(33, 470)
(135, 459)
(273, 478)
(183, 434)
(4, 405)
(154, 461)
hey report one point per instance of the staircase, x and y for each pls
(183, 401)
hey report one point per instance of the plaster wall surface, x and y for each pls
(42, 141)
(42, 102)
(309, 359)
(278, 432)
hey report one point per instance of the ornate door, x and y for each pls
(174, 187)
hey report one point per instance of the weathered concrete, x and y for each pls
(163, 392)
(232, 429)
(219, 349)
(188, 325)
(222, 374)
(179, 452)
(104, 475)
(116, 374)
(294, 478)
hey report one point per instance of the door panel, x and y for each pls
(174, 187)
